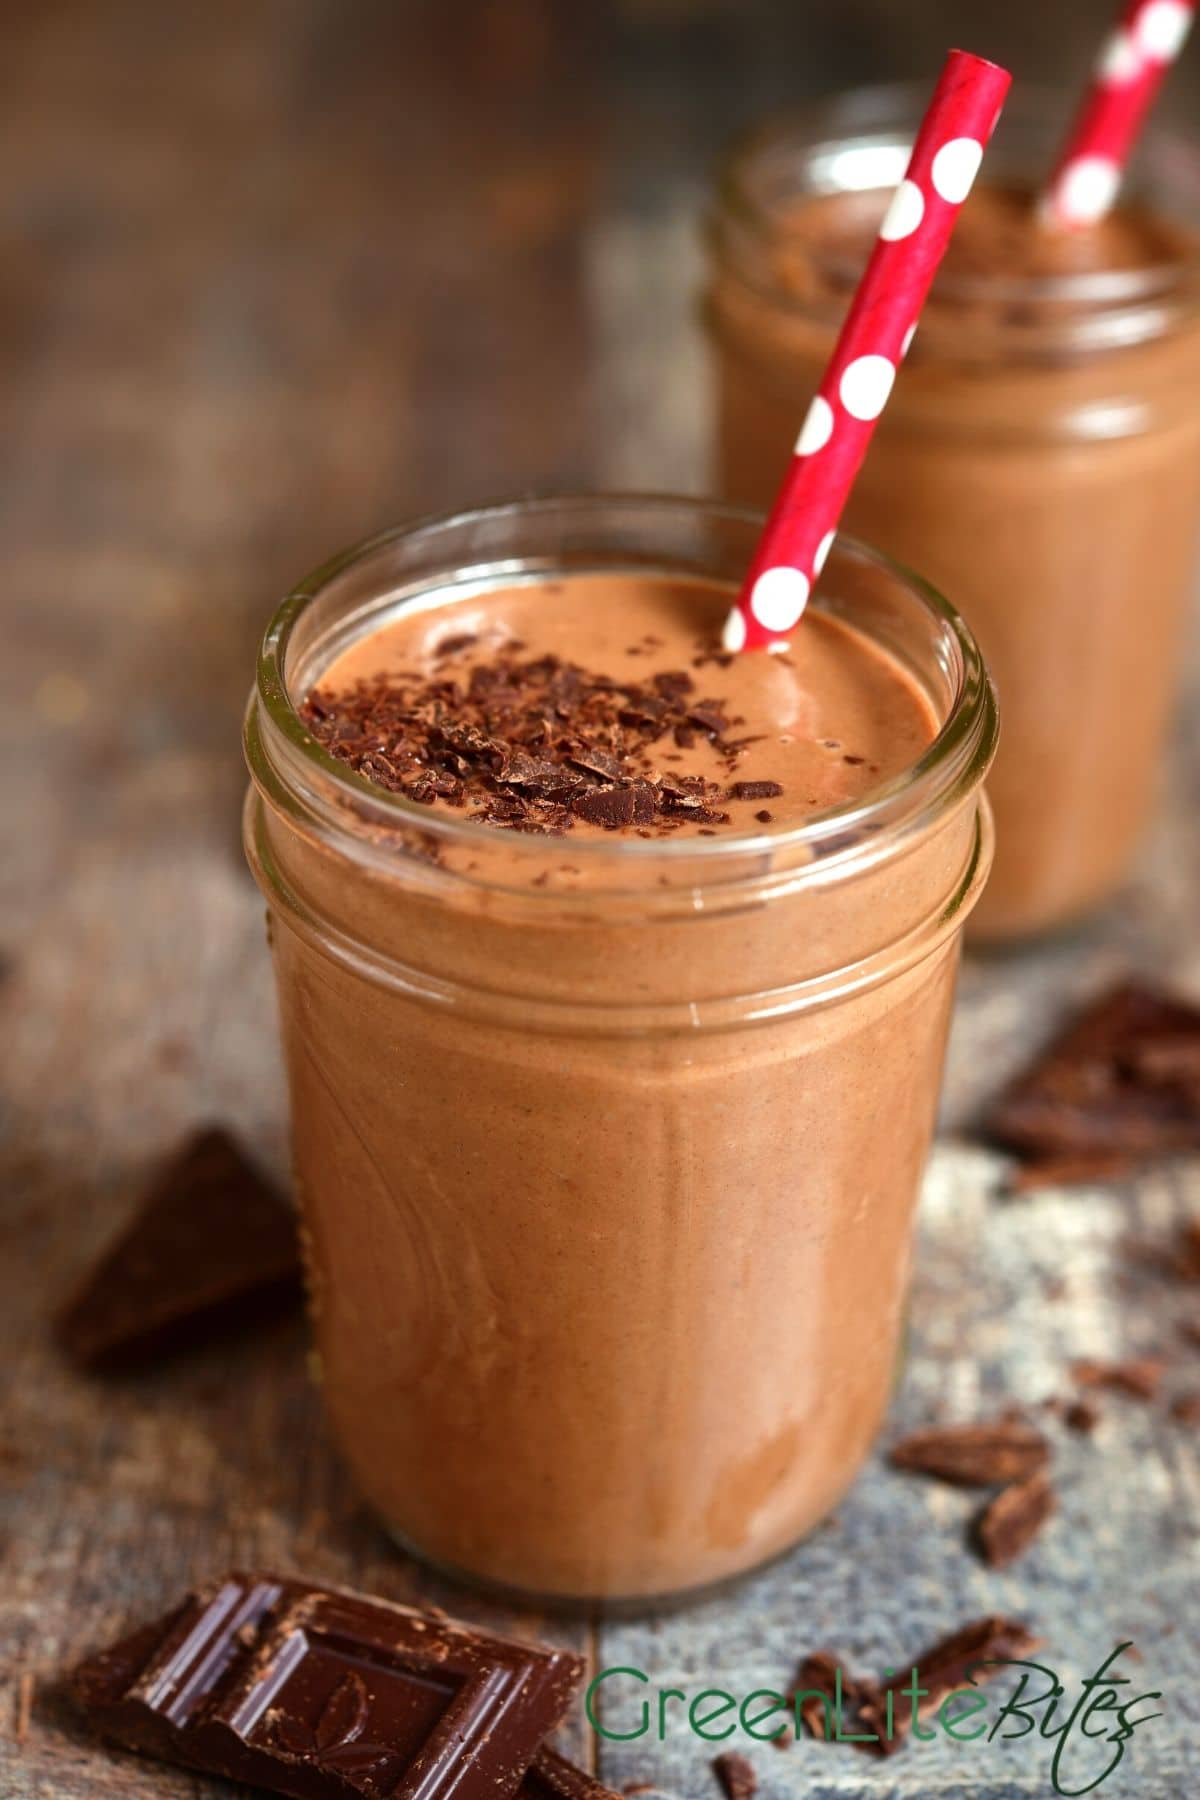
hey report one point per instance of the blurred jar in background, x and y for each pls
(1039, 460)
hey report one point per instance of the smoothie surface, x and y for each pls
(998, 237)
(602, 705)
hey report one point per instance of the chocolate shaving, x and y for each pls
(736, 1775)
(1011, 1520)
(1138, 1377)
(1001, 1450)
(1119, 1081)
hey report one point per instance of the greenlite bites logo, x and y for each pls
(1088, 1729)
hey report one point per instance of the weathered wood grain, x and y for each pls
(274, 274)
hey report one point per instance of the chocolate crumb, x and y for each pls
(1082, 1416)
(1116, 1082)
(1185, 1408)
(1011, 1520)
(736, 1775)
(764, 817)
(755, 790)
(455, 643)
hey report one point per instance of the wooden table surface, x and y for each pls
(277, 272)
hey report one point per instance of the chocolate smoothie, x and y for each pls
(614, 976)
(1039, 461)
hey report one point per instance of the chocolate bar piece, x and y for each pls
(210, 1243)
(1122, 1081)
(319, 1692)
(551, 1776)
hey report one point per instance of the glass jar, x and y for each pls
(608, 1192)
(1039, 461)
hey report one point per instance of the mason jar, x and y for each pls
(1039, 461)
(608, 1192)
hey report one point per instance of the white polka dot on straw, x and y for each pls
(1160, 29)
(865, 386)
(1119, 59)
(955, 167)
(909, 335)
(1087, 188)
(817, 428)
(823, 549)
(778, 598)
(904, 214)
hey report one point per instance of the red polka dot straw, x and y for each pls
(1146, 41)
(877, 332)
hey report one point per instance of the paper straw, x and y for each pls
(1126, 78)
(878, 330)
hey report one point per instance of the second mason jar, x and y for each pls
(1039, 459)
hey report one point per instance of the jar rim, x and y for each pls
(886, 115)
(284, 756)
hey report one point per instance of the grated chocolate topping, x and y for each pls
(534, 745)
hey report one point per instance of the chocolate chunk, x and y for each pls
(598, 762)
(319, 1692)
(1115, 1082)
(1009, 1523)
(764, 817)
(613, 807)
(1068, 1171)
(1185, 1258)
(965, 1656)
(755, 790)
(1185, 1408)
(1001, 1450)
(708, 716)
(1139, 1377)
(815, 1688)
(736, 1775)
(210, 1243)
(953, 1662)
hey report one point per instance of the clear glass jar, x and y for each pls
(608, 1193)
(1039, 461)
